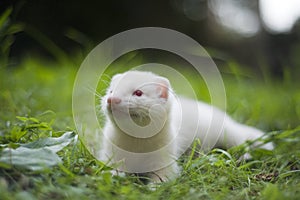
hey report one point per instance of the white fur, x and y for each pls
(178, 118)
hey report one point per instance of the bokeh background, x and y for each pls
(259, 34)
(255, 44)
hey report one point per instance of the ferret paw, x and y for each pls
(157, 178)
(246, 156)
(115, 172)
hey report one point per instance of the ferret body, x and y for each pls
(148, 126)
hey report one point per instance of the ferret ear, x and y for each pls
(163, 86)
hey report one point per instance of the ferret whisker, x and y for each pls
(107, 76)
(103, 91)
(97, 94)
(90, 89)
(106, 83)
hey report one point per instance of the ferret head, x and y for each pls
(137, 96)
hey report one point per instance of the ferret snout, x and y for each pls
(114, 100)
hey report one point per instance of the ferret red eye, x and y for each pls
(137, 93)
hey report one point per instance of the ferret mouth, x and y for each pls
(134, 115)
(138, 116)
(138, 112)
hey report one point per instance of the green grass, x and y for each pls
(43, 92)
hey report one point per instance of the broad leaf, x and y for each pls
(37, 155)
(53, 144)
(33, 159)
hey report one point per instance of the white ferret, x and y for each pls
(148, 127)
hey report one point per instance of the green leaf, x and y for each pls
(4, 16)
(23, 119)
(15, 28)
(288, 133)
(53, 144)
(36, 155)
(33, 159)
(27, 119)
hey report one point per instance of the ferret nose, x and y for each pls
(114, 100)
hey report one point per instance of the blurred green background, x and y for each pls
(229, 30)
(43, 43)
